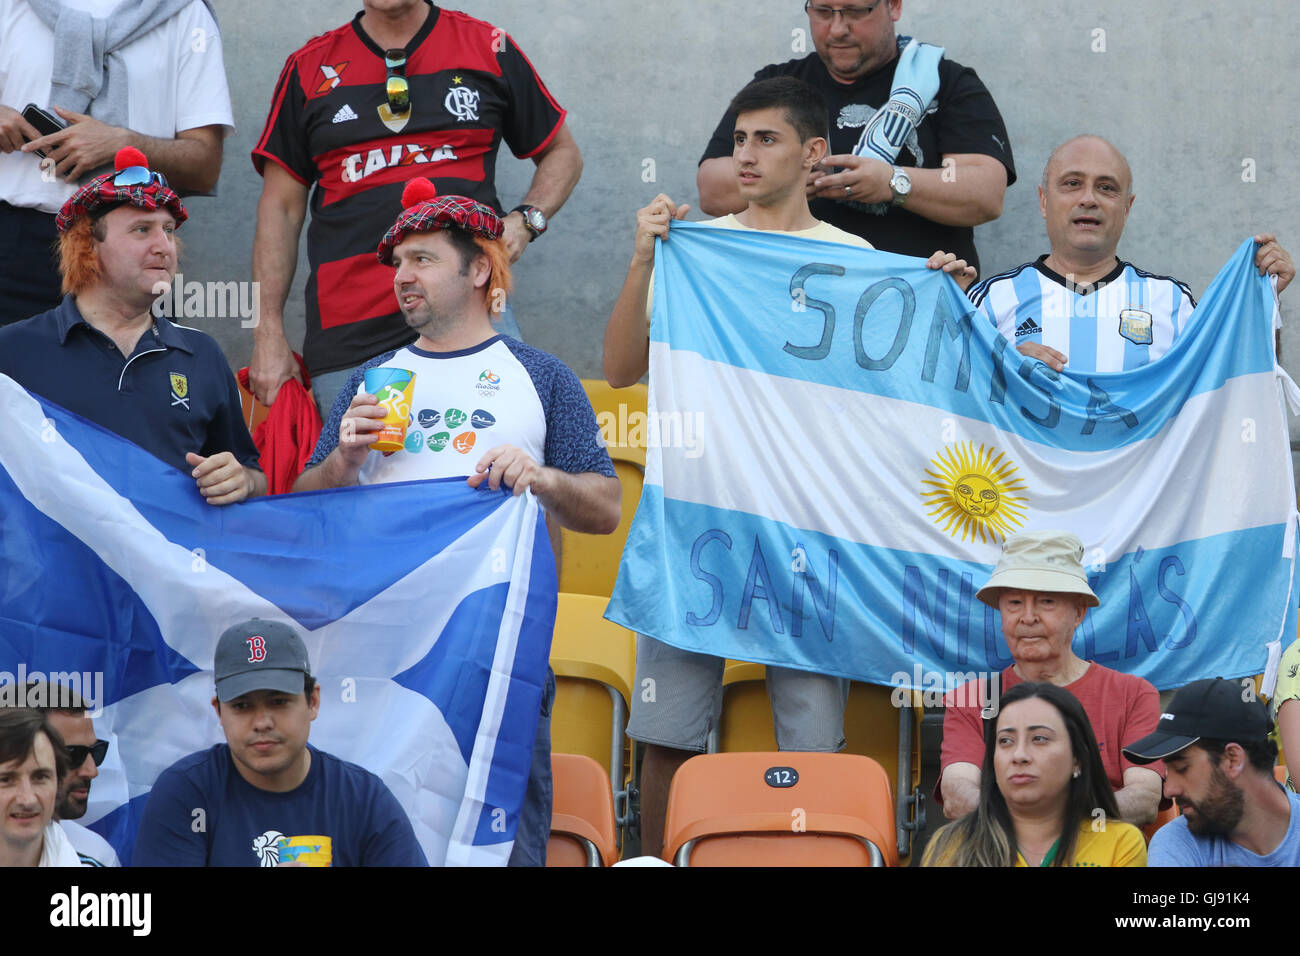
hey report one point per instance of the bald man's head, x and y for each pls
(1088, 143)
(1085, 198)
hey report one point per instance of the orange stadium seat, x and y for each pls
(780, 809)
(873, 727)
(254, 411)
(1163, 817)
(582, 817)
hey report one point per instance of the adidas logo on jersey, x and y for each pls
(360, 165)
(344, 114)
(1028, 327)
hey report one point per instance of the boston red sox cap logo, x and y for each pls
(259, 655)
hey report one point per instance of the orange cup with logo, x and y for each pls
(394, 388)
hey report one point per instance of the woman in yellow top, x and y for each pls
(1285, 708)
(1044, 797)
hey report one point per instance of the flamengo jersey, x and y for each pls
(330, 127)
(1126, 320)
(499, 392)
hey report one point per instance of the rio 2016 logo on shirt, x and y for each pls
(489, 383)
(454, 418)
(438, 440)
(414, 441)
(428, 418)
(464, 442)
(482, 419)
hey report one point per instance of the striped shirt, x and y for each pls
(1125, 320)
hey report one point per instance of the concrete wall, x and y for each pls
(1189, 91)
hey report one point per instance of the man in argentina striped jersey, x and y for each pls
(1081, 303)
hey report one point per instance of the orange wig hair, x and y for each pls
(78, 260)
(499, 260)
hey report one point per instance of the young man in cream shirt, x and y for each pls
(780, 137)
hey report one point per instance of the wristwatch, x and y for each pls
(534, 220)
(900, 185)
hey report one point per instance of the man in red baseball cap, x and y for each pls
(104, 355)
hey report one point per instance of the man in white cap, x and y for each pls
(1219, 760)
(266, 795)
(1042, 592)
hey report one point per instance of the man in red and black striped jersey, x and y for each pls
(406, 89)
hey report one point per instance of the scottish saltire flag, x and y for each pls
(427, 609)
(861, 444)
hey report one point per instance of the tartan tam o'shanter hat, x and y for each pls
(131, 182)
(423, 210)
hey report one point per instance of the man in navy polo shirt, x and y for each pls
(103, 355)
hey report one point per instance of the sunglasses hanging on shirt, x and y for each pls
(398, 87)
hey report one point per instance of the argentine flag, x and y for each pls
(863, 443)
(427, 609)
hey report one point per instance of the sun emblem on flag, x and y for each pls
(975, 492)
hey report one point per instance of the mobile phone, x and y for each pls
(44, 121)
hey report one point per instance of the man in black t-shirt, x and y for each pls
(950, 174)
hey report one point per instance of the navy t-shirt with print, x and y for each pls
(242, 824)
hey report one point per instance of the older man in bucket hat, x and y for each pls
(1040, 588)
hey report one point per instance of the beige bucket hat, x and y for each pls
(1040, 561)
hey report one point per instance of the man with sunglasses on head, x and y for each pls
(104, 355)
(920, 152)
(68, 714)
(405, 90)
(152, 78)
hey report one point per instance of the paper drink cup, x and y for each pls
(394, 388)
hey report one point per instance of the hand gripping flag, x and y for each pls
(862, 443)
(426, 607)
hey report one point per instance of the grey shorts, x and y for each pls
(683, 701)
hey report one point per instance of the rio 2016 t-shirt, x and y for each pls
(243, 825)
(463, 403)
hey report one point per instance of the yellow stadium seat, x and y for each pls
(582, 815)
(873, 727)
(780, 809)
(620, 413)
(595, 666)
(590, 561)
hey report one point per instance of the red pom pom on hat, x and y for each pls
(129, 156)
(418, 191)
